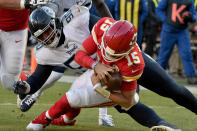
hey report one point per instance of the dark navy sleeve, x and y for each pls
(92, 21)
(39, 77)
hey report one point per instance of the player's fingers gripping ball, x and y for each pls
(114, 82)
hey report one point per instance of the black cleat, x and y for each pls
(27, 103)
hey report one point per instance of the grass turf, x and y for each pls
(12, 119)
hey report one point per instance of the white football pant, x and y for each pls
(13, 45)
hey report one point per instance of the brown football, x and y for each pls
(114, 82)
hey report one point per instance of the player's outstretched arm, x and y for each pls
(102, 8)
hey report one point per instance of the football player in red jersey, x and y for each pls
(115, 45)
(117, 49)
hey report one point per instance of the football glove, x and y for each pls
(33, 3)
(187, 17)
(21, 87)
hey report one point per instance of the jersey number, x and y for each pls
(135, 58)
(68, 16)
(105, 25)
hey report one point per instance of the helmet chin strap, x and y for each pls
(105, 57)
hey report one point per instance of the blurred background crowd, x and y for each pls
(155, 37)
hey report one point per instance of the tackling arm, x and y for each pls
(102, 8)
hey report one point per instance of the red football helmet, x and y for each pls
(118, 40)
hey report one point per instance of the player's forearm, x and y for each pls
(84, 60)
(121, 100)
(116, 97)
(102, 8)
(10, 4)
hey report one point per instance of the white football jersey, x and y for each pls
(76, 30)
(61, 6)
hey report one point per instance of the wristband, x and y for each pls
(98, 88)
(22, 4)
(94, 64)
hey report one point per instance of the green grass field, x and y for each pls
(12, 119)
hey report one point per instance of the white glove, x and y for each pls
(99, 89)
(33, 3)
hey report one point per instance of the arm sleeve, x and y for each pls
(39, 77)
(92, 21)
(102, 8)
(83, 58)
(160, 10)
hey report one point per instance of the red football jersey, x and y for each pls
(11, 20)
(130, 67)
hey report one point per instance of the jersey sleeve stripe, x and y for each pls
(94, 36)
(129, 79)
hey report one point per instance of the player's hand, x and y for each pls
(94, 79)
(21, 87)
(98, 88)
(35, 3)
(187, 17)
(102, 71)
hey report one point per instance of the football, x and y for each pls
(114, 82)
